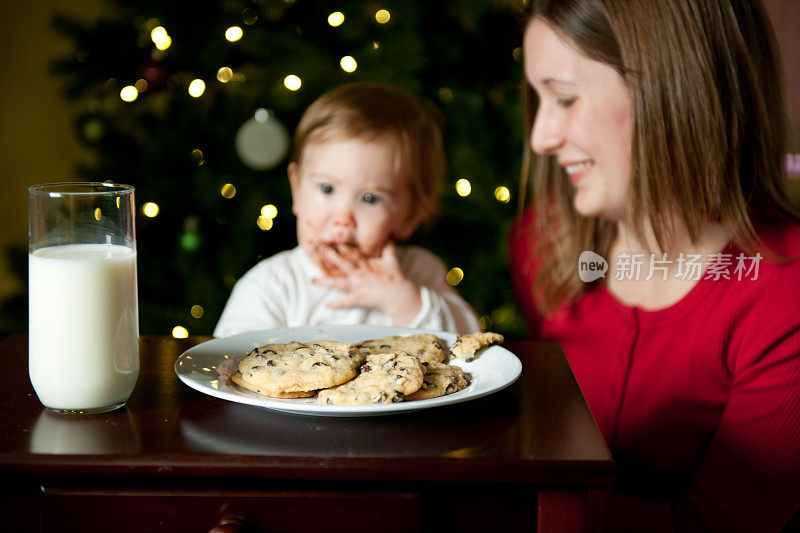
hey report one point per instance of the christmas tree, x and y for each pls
(193, 104)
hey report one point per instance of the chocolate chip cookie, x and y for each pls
(423, 346)
(466, 347)
(383, 378)
(440, 379)
(300, 367)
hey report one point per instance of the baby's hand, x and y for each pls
(375, 283)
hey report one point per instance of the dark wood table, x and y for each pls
(177, 460)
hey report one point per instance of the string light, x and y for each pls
(198, 157)
(382, 16)
(160, 38)
(225, 74)
(336, 18)
(97, 213)
(141, 85)
(516, 54)
(228, 191)
(269, 211)
(463, 187)
(234, 33)
(180, 332)
(197, 87)
(502, 194)
(249, 16)
(445, 95)
(292, 82)
(129, 93)
(197, 311)
(264, 223)
(150, 209)
(454, 276)
(348, 64)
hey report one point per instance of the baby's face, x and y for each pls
(346, 192)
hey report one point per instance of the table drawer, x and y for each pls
(137, 510)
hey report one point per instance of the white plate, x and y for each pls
(207, 367)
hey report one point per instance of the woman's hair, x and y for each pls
(377, 111)
(709, 134)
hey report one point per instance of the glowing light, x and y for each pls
(261, 115)
(128, 93)
(348, 64)
(198, 157)
(225, 74)
(197, 87)
(180, 332)
(445, 95)
(190, 241)
(269, 211)
(234, 33)
(97, 213)
(160, 38)
(197, 311)
(454, 276)
(228, 191)
(249, 16)
(382, 16)
(292, 82)
(336, 18)
(517, 54)
(264, 223)
(150, 209)
(141, 85)
(463, 187)
(166, 43)
(502, 194)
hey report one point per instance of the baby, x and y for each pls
(366, 164)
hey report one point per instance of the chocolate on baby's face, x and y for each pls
(346, 194)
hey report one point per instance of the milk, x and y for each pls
(83, 325)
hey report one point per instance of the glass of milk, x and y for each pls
(83, 348)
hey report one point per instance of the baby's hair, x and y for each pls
(373, 111)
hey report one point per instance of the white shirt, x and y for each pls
(278, 292)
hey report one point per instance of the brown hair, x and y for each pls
(373, 110)
(709, 134)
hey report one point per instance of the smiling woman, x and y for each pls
(583, 120)
(658, 138)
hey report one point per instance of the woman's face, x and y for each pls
(584, 121)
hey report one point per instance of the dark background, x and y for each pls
(62, 119)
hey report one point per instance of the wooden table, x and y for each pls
(177, 460)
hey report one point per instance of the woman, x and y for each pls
(658, 133)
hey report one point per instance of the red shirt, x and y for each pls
(699, 402)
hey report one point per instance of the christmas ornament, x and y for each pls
(262, 142)
(154, 73)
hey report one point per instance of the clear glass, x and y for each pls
(83, 348)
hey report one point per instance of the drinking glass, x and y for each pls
(83, 348)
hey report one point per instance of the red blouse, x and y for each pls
(699, 403)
